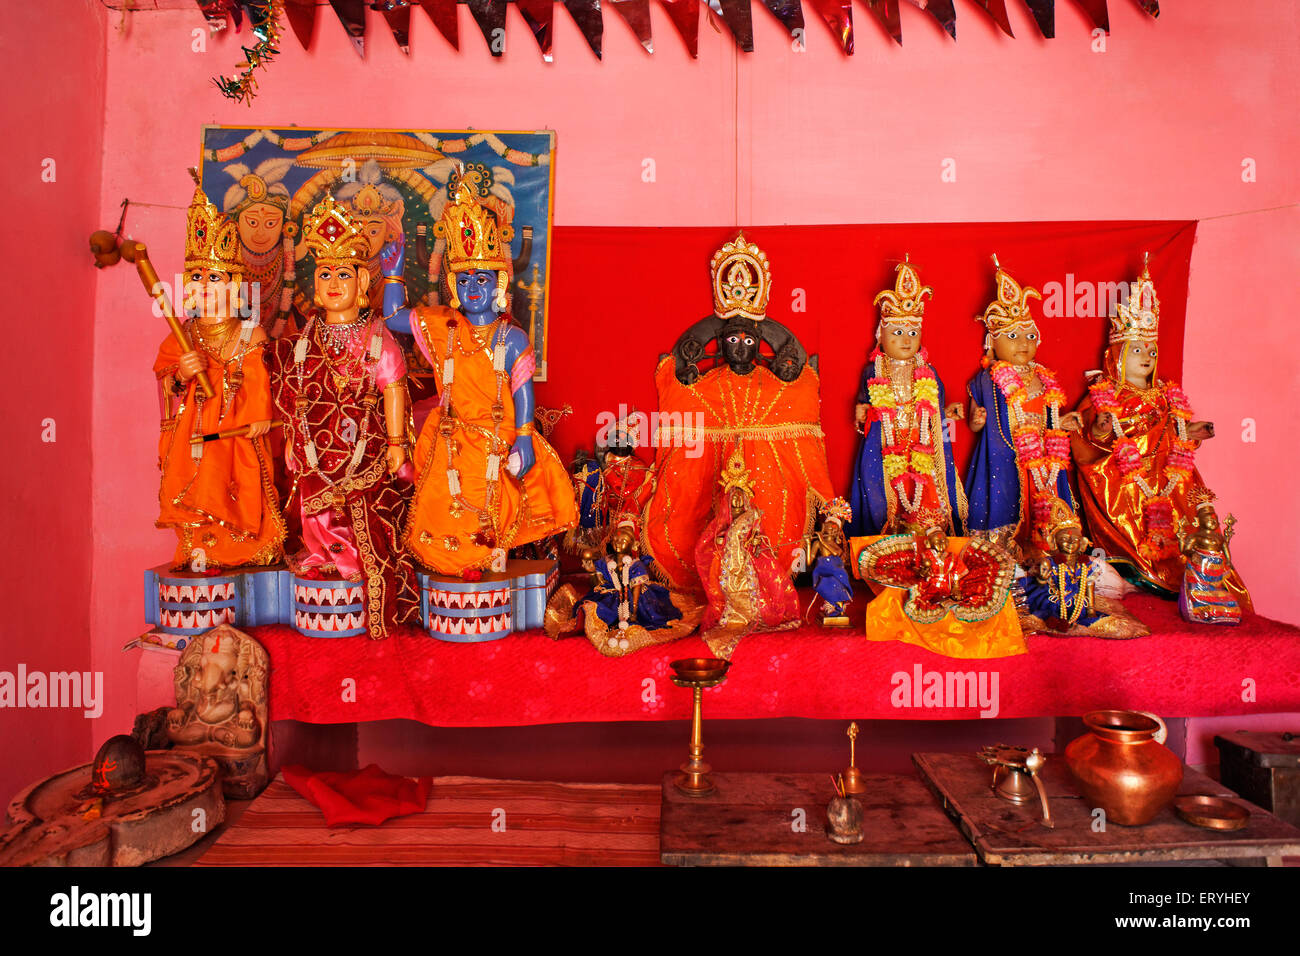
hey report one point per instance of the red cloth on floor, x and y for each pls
(1181, 670)
(360, 796)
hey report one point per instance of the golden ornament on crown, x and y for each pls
(904, 304)
(736, 475)
(1011, 309)
(332, 237)
(1139, 321)
(475, 240)
(211, 238)
(742, 280)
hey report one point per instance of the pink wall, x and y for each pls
(1156, 127)
(46, 566)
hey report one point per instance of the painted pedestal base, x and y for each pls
(501, 603)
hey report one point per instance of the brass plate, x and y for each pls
(1213, 813)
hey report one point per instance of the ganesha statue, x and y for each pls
(221, 707)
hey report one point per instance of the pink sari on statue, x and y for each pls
(747, 587)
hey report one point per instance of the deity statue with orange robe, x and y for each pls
(486, 481)
(1136, 453)
(217, 495)
(767, 406)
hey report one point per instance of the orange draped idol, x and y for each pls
(449, 534)
(470, 505)
(1136, 454)
(772, 419)
(218, 495)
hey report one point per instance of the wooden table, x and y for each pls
(750, 819)
(1004, 834)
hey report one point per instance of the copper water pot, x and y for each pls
(1123, 766)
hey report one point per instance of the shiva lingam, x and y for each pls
(854, 782)
(697, 673)
(1015, 776)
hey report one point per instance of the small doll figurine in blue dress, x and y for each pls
(827, 550)
(1059, 596)
(627, 608)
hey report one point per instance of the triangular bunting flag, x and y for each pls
(1044, 12)
(941, 10)
(586, 14)
(490, 15)
(886, 11)
(302, 18)
(399, 21)
(443, 15)
(352, 14)
(838, 15)
(685, 15)
(739, 20)
(540, 17)
(1097, 12)
(997, 9)
(637, 15)
(789, 12)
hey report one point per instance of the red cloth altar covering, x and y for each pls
(1181, 670)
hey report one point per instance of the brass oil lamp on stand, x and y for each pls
(697, 673)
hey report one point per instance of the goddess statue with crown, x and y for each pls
(486, 481)
(377, 209)
(1136, 453)
(218, 496)
(1205, 597)
(258, 202)
(766, 406)
(1020, 463)
(746, 581)
(340, 385)
(904, 464)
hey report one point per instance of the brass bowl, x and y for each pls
(1213, 813)
(699, 669)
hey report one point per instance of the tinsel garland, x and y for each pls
(264, 20)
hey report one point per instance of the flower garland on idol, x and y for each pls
(1043, 451)
(907, 453)
(1157, 506)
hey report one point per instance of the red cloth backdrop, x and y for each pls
(621, 296)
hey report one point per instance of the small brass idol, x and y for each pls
(697, 673)
(853, 781)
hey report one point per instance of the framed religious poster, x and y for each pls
(394, 183)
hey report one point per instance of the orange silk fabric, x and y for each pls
(225, 503)
(1112, 507)
(540, 505)
(777, 425)
(999, 636)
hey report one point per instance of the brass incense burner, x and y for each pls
(697, 673)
